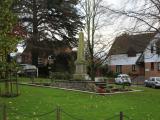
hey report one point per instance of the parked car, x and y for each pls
(123, 78)
(152, 82)
(28, 70)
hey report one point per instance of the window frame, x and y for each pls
(119, 68)
(152, 66)
(158, 66)
(133, 68)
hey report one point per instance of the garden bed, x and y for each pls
(88, 86)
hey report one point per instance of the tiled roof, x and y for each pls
(46, 47)
(125, 43)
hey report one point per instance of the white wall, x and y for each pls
(123, 59)
(152, 57)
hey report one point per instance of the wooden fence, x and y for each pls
(58, 112)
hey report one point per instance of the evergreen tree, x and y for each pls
(8, 41)
(49, 19)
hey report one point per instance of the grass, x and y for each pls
(143, 105)
(27, 79)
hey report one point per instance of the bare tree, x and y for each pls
(95, 19)
(144, 15)
(139, 17)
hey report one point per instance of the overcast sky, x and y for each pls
(117, 3)
(118, 26)
(114, 1)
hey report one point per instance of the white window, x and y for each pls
(40, 61)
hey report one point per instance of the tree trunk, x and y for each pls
(6, 87)
(92, 70)
(34, 34)
(6, 75)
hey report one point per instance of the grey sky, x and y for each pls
(115, 3)
(119, 25)
(111, 31)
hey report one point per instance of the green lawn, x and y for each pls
(35, 100)
(29, 80)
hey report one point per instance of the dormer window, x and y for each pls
(152, 48)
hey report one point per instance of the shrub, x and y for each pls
(61, 76)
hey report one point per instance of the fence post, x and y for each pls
(1, 111)
(121, 115)
(58, 113)
(4, 112)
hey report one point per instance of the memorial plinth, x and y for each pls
(80, 73)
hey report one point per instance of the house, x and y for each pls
(136, 55)
(42, 53)
(47, 56)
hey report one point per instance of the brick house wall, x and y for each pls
(146, 71)
(139, 49)
(26, 58)
(149, 71)
(127, 69)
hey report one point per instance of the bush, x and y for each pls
(112, 74)
(60, 76)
